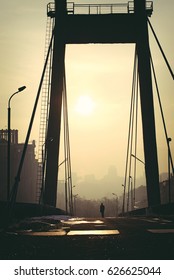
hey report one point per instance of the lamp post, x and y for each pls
(44, 154)
(169, 182)
(128, 194)
(72, 200)
(75, 196)
(116, 200)
(9, 141)
(131, 191)
(136, 158)
(124, 192)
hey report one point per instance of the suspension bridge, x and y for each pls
(132, 20)
(64, 26)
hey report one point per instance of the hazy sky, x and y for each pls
(101, 73)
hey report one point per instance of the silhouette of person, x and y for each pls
(102, 209)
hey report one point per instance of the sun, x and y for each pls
(85, 105)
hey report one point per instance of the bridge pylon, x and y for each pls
(102, 23)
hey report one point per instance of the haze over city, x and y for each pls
(99, 80)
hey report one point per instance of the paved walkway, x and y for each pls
(61, 237)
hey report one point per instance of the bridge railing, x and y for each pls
(149, 7)
(51, 9)
(98, 9)
(93, 9)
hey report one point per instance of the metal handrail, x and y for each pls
(149, 6)
(98, 9)
(51, 9)
(90, 9)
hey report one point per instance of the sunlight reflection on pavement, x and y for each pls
(75, 221)
(62, 226)
(72, 232)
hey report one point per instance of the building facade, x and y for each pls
(27, 186)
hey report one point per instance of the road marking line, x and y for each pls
(45, 233)
(166, 230)
(93, 232)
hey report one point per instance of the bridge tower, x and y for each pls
(93, 26)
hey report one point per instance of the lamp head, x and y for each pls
(21, 88)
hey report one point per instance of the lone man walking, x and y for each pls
(102, 209)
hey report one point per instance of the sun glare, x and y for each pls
(85, 105)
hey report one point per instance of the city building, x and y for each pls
(27, 186)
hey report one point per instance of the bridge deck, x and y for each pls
(90, 239)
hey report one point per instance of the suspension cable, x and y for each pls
(133, 136)
(159, 45)
(161, 110)
(129, 132)
(136, 136)
(67, 147)
(17, 178)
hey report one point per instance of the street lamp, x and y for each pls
(129, 192)
(138, 159)
(116, 200)
(44, 155)
(75, 196)
(72, 207)
(169, 184)
(124, 192)
(61, 162)
(9, 141)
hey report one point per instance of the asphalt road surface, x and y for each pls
(66, 238)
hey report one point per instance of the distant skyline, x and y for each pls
(100, 73)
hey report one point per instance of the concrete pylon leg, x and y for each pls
(147, 106)
(54, 122)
